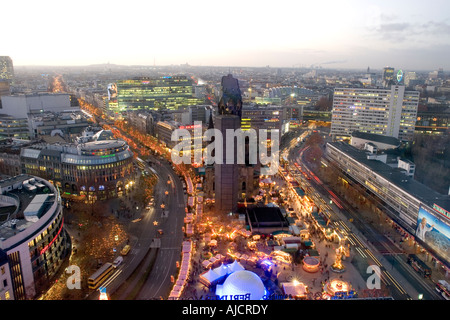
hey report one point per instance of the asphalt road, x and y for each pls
(385, 247)
(149, 246)
(170, 220)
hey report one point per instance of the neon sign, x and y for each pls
(442, 211)
(53, 240)
(399, 75)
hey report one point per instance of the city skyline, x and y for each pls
(346, 34)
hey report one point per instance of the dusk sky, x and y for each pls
(411, 34)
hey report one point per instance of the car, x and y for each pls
(117, 261)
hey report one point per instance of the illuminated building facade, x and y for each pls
(405, 200)
(33, 241)
(264, 117)
(13, 128)
(169, 92)
(89, 171)
(388, 76)
(391, 112)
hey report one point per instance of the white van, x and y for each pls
(118, 261)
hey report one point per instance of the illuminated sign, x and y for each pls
(399, 75)
(343, 295)
(194, 126)
(108, 156)
(442, 211)
(433, 231)
(53, 240)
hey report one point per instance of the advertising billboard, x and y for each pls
(434, 232)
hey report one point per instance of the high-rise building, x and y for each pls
(5, 89)
(390, 112)
(6, 69)
(388, 77)
(156, 93)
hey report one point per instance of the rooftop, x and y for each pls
(32, 203)
(376, 138)
(407, 184)
(266, 217)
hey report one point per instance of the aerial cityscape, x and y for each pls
(293, 164)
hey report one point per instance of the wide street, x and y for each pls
(155, 239)
(373, 246)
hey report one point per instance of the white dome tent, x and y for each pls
(241, 285)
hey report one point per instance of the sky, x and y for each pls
(409, 35)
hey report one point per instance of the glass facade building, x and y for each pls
(169, 92)
(90, 171)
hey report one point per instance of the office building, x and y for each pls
(390, 112)
(171, 92)
(33, 241)
(6, 69)
(434, 120)
(265, 117)
(13, 128)
(388, 77)
(66, 125)
(20, 105)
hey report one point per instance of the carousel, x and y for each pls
(335, 286)
(311, 264)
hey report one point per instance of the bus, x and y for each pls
(99, 276)
(125, 250)
(140, 163)
(443, 288)
(420, 266)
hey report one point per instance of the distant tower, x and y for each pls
(6, 69)
(388, 77)
(227, 175)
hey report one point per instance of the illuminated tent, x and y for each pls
(235, 266)
(221, 271)
(241, 284)
(209, 277)
(295, 289)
